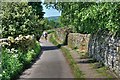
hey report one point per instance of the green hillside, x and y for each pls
(55, 18)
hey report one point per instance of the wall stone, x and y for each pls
(73, 40)
(62, 34)
(80, 41)
(105, 47)
(102, 46)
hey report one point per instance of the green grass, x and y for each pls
(53, 40)
(50, 31)
(83, 55)
(75, 69)
(14, 62)
(103, 70)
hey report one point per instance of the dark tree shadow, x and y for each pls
(86, 61)
(45, 48)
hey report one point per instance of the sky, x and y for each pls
(50, 12)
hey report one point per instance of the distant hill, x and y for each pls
(55, 18)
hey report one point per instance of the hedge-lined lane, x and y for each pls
(51, 64)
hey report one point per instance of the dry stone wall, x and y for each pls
(105, 47)
(102, 46)
(62, 34)
(80, 41)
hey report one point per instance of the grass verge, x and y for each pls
(103, 70)
(75, 69)
(83, 55)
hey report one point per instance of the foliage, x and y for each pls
(50, 24)
(10, 64)
(19, 18)
(102, 69)
(51, 39)
(89, 17)
(37, 8)
(18, 51)
(15, 58)
(50, 31)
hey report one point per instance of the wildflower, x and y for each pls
(15, 56)
(11, 39)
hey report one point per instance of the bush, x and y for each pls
(10, 64)
(22, 43)
(50, 31)
(15, 59)
(20, 18)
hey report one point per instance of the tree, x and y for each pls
(50, 24)
(37, 8)
(89, 17)
(19, 18)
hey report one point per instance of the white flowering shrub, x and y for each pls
(22, 43)
(17, 55)
(10, 63)
(20, 18)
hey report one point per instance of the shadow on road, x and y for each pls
(86, 61)
(45, 48)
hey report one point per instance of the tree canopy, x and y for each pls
(89, 17)
(21, 18)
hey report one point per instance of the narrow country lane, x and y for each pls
(51, 64)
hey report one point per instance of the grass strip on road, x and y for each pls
(75, 69)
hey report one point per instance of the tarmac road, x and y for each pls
(51, 64)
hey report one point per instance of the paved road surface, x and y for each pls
(51, 64)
